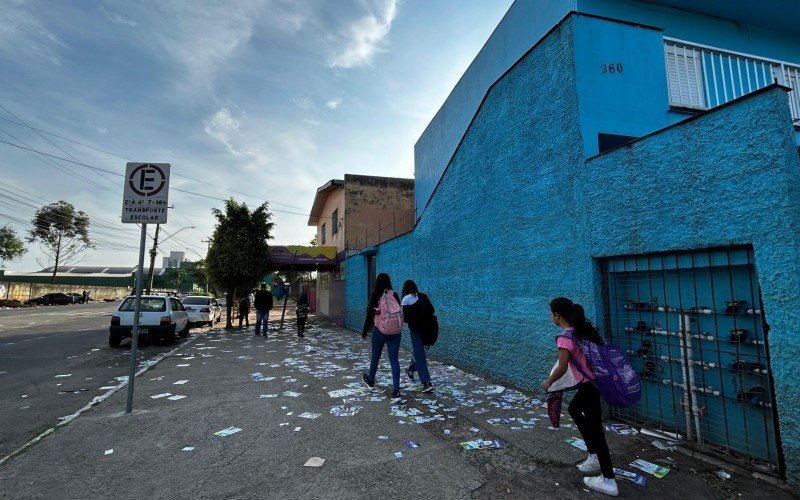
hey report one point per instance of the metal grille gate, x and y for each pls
(693, 327)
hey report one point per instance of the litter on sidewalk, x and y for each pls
(188, 448)
(163, 395)
(314, 462)
(227, 432)
(622, 429)
(482, 444)
(577, 443)
(655, 470)
(109, 452)
(633, 477)
(346, 411)
(310, 415)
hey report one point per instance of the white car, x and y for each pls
(159, 317)
(202, 309)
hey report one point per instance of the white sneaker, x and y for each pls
(601, 484)
(591, 464)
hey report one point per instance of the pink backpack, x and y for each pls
(389, 316)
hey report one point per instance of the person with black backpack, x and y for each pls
(418, 312)
(585, 408)
(385, 320)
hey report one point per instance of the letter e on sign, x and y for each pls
(146, 193)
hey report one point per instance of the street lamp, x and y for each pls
(153, 253)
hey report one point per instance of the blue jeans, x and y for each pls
(262, 317)
(419, 360)
(393, 346)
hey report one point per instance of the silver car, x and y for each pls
(202, 310)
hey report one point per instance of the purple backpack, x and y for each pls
(615, 378)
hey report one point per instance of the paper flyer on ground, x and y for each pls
(658, 471)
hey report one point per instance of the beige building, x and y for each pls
(352, 214)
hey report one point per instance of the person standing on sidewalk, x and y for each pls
(244, 310)
(418, 313)
(262, 303)
(301, 312)
(585, 407)
(383, 285)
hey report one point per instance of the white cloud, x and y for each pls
(304, 102)
(116, 18)
(334, 103)
(225, 128)
(366, 36)
(24, 36)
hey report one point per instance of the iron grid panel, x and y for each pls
(693, 326)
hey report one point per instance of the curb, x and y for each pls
(94, 402)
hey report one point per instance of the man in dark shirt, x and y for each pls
(262, 303)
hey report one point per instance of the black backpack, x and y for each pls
(431, 334)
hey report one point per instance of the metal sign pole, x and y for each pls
(137, 311)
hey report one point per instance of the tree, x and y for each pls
(62, 232)
(200, 274)
(238, 258)
(11, 247)
(177, 275)
(313, 241)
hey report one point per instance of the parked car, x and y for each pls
(202, 309)
(51, 299)
(159, 317)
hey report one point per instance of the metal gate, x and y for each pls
(694, 328)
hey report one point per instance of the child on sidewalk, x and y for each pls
(585, 407)
(301, 311)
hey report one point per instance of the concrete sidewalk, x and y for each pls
(268, 388)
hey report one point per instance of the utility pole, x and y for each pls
(209, 248)
(152, 260)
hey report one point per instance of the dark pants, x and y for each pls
(419, 359)
(393, 346)
(301, 325)
(585, 411)
(244, 314)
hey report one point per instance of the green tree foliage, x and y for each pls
(62, 232)
(238, 258)
(11, 247)
(176, 275)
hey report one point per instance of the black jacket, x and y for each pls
(369, 321)
(263, 301)
(418, 314)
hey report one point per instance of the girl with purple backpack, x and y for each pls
(585, 408)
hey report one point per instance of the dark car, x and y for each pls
(51, 299)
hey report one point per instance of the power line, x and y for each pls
(40, 132)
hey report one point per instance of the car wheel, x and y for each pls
(169, 338)
(114, 339)
(183, 333)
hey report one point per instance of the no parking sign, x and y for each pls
(146, 195)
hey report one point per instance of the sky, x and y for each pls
(259, 100)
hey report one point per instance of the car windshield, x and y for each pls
(149, 304)
(195, 301)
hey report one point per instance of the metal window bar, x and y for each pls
(692, 325)
(703, 77)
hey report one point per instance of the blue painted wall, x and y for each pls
(731, 185)
(633, 102)
(519, 217)
(524, 24)
(528, 20)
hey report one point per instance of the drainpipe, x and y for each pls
(689, 382)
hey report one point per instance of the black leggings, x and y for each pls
(585, 411)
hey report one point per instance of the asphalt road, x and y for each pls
(53, 361)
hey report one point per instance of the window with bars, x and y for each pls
(335, 222)
(694, 328)
(322, 234)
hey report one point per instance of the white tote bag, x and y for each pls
(566, 382)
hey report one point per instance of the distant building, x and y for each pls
(352, 214)
(175, 259)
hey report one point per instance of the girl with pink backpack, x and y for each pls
(385, 319)
(585, 408)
